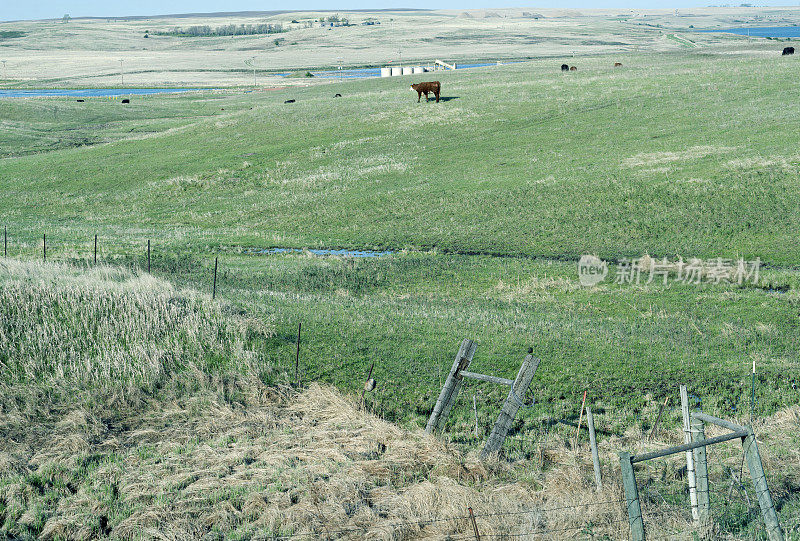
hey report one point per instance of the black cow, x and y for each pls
(289, 101)
(338, 96)
(787, 51)
(564, 67)
(126, 101)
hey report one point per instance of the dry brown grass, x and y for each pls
(232, 457)
(308, 464)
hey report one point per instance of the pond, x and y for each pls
(762, 31)
(340, 253)
(88, 92)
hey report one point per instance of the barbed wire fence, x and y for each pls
(733, 502)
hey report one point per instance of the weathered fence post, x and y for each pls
(5, 241)
(774, 531)
(95, 249)
(214, 287)
(297, 356)
(658, 418)
(631, 497)
(701, 470)
(452, 386)
(44, 247)
(148, 256)
(511, 406)
(689, 456)
(593, 444)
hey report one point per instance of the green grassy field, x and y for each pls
(488, 199)
(670, 155)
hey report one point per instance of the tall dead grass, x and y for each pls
(131, 410)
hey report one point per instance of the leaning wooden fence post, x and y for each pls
(689, 456)
(701, 470)
(5, 241)
(593, 444)
(95, 249)
(148, 256)
(774, 531)
(511, 406)
(452, 386)
(631, 497)
(214, 287)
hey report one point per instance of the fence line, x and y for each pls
(435, 374)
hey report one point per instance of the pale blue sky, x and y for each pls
(45, 9)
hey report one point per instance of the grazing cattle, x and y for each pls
(424, 88)
(289, 101)
(338, 96)
(787, 51)
(617, 64)
(80, 101)
(564, 67)
(573, 68)
(126, 100)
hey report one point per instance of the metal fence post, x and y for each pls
(631, 497)
(214, 287)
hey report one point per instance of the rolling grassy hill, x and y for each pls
(134, 409)
(487, 199)
(671, 155)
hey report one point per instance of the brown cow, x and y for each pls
(617, 64)
(425, 88)
(573, 68)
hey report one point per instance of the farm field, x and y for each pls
(86, 52)
(485, 201)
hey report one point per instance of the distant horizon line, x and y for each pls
(374, 10)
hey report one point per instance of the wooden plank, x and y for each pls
(719, 422)
(598, 480)
(490, 379)
(452, 386)
(689, 456)
(631, 497)
(510, 407)
(773, 527)
(689, 447)
(701, 469)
